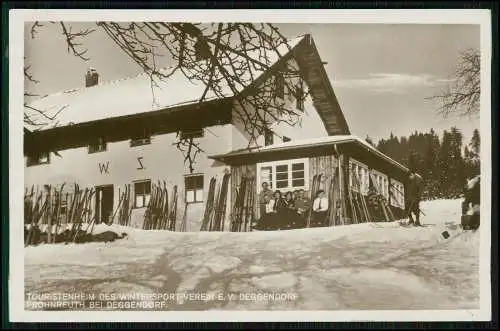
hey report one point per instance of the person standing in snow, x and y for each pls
(471, 203)
(415, 186)
(473, 191)
(319, 209)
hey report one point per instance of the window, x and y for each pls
(279, 85)
(268, 137)
(142, 193)
(286, 139)
(266, 176)
(382, 183)
(192, 134)
(298, 175)
(63, 207)
(288, 175)
(142, 138)
(299, 96)
(397, 194)
(61, 202)
(140, 141)
(194, 188)
(97, 145)
(282, 176)
(358, 177)
(37, 158)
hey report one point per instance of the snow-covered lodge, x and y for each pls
(111, 135)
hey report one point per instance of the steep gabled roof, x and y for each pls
(321, 90)
(135, 95)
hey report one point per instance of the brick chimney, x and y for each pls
(91, 77)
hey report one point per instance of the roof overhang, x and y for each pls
(306, 148)
(321, 90)
(168, 120)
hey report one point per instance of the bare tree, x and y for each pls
(463, 94)
(226, 57)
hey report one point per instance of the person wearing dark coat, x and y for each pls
(415, 186)
(279, 202)
(472, 194)
(302, 206)
(473, 191)
(289, 201)
(471, 204)
(289, 218)
(302, 203)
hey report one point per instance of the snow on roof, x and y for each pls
(309, 142)
(313, 142)
(131, 96)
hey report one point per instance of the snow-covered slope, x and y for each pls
(366, 266)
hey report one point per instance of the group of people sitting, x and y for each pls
(290, 210)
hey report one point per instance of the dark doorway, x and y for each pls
(104, 203)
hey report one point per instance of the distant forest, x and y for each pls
(444, 162)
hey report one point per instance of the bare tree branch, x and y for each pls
(72, 40)
(227, 58)
(462, 97)
(28, 75)
(190, 149)
(36, 117)
(34, 29)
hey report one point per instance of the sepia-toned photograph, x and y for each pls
(248, 166)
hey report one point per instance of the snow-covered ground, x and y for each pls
(369, 266)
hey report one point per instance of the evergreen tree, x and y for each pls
(443, 163)
(431, 164)
(402, 151)
(471, 156)
(457, 163)
(369, 140)
(475, 144)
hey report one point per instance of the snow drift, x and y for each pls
(364, 266)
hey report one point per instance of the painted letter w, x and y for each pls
(104, 167)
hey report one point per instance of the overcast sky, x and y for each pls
(381, 73)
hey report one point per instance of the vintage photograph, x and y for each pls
(252, 166)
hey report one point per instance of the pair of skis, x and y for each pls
(213, 218)
(386, 210)
(242, 215)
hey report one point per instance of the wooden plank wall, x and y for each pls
(327, 166)
(237, 172)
